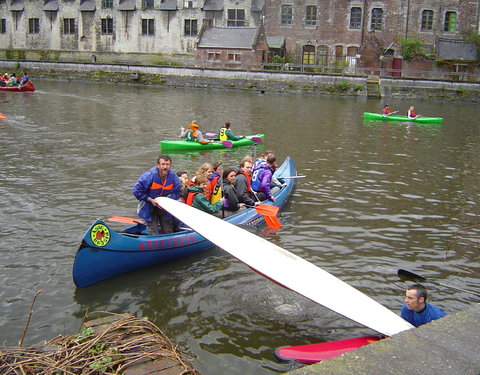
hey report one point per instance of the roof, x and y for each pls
(16, 6)
(276, 41)
(213, 5)
(51, 6)
(87, 6)
(231, 37)
(168, 5)
(126, 5)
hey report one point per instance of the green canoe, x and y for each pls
(421, 119)
(195, 146)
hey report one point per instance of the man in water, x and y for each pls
(416, 309)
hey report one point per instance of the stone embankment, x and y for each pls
(256, 81)
(448, 346)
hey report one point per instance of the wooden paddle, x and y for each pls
(414, 277)
(289, 270)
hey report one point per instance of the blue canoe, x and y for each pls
(105, 253)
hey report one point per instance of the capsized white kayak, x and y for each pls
(289, 270)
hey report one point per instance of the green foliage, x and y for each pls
(86, 333)
(358, 88)
(101, 365)
(343, 86)
(411, 46)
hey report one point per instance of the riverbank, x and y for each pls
(448, 346)
(256, 81)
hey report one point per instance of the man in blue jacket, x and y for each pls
(158, 181)
(416, 309)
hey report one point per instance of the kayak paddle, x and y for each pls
(2, 116)
(124, 219)
(414, 277)
(289, 270)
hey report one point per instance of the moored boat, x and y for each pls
(26, 87)
(105, 253)
(196, 146)
(421, 119)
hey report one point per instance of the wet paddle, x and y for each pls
(289, 177)
(126, 220)
(414, 277)
(269, 213)
(2, 116)
(289, 270)
(227, 144)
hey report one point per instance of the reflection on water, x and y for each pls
(378, 196)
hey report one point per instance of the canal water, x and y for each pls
(377, 196)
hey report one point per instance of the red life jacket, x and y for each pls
(190, 197)
(248, 178)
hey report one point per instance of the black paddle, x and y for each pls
(403, 274)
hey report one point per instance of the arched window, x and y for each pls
(308, 54)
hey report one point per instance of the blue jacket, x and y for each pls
(261, 179)
(150, 185)
(428, 314)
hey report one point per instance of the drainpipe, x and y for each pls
(408, 16)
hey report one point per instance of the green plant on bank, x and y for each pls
(343, 86)
(101, 365)
(85, 334)
(410, 47)
(460, 91)
(358, 88)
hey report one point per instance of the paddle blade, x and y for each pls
(2, 115)
(410, 275)
(127, 220)
(266, 209)
(256, 139)
(272, 221)
(227, 144)
(211, 134)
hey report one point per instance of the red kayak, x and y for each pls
(26, 87)
(313, 353)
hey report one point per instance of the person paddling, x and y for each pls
(416, 310)
(411, 113)
(226, 134)
(192, 134)
(387, 112)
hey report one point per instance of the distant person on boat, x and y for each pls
(243, 183)
(262, 178)
(416, 309)
(411, 113)
(226, 134)
(196, 197)
(387, 112)
(24, 79)
(158, 181)
(192, 134)
(12, 81)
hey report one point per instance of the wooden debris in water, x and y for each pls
(115, 344)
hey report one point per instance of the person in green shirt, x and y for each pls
(226, 134)
(196, 197)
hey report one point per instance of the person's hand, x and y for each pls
(257, 203)
(241, 205)
(272, 199)
(154, 202)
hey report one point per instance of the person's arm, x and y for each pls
(140, 189)
(200, 137)
(183, 132)
(231, 136)
(201, 202)
(265, 184)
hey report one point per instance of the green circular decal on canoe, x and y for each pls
(100, 235)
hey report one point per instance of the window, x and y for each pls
(236, 17)
(69, 25)
(377, 15)
(310, 15)
(188, 4)
(107, 3)
(33, 25)
(286, 14)
(107, 26)
(190, 28)
(234, 57)
(214, 56)
(355, 18)
(322, 55)
(450, 22)
(147, 4)
(3, 26)
(148, 26)
(427, 20)
(308, 55)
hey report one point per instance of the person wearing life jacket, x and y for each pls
(226, 134)
(387, 112)
(197, 198)
(231, 203)
(243, 183)
(206, 170)
(215, 182)
(411, 113)
(192, 134)
(262, 178)
(158, 181)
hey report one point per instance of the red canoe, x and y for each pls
(313, 353)
(27, 87)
